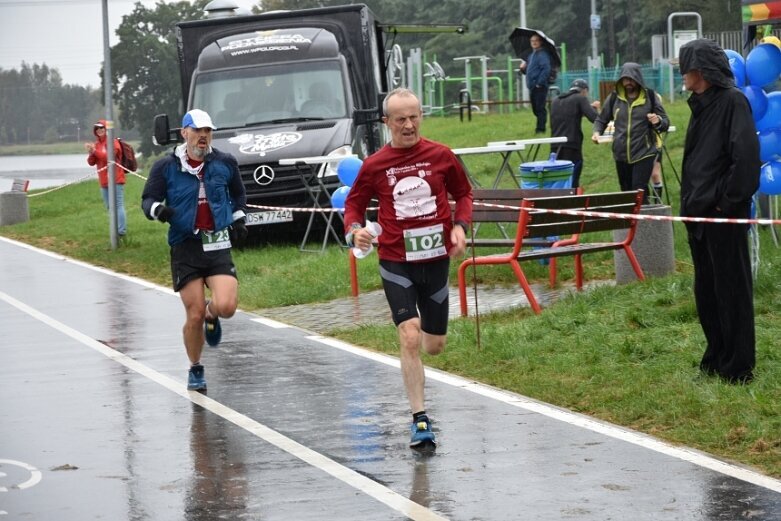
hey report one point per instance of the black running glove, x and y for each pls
(239, 232)
(164, 213)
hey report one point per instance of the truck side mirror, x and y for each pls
(163, 134)
(364, 116)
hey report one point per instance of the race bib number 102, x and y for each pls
(425, 243)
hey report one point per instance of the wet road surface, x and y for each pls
(96, 423)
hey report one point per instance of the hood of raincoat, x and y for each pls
(707, 57)
(99, 123)
(632, 71)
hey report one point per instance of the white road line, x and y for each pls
(105, 271)
(271, 323)
(35, 474)
(348, 476)
(517, 400)
(572, 418)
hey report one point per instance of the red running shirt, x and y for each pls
(203, 214)
(411, 185)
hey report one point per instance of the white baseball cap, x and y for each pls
(197, 118)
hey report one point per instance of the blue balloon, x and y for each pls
(757, 99)
(770, 145)
(339, 197)
(770, 178)
(738, 65)
(772, 117)
(763, 64)
(348, 170)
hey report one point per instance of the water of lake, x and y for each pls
(44, 171)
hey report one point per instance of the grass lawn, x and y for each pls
(626, 354)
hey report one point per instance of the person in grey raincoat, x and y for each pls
(638, 116)
(720, 174)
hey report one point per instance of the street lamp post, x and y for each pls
(112, 182)
(524, 88)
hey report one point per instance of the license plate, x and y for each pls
(270, 217)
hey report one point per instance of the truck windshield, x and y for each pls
(271, 93)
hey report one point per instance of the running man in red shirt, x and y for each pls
(411, 178)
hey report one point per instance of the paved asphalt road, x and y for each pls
(96, 423)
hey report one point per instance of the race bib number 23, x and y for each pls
(425, 243)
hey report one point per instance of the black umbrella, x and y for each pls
(520, 39)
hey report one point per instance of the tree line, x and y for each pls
(36, 107)
(146, 75)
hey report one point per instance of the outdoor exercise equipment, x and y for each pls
(432, 78)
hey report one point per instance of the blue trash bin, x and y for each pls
(552, 173)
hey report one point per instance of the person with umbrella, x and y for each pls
(538, 69)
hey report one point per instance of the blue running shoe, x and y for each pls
(212, 331)
(421, 434)
(195, 379)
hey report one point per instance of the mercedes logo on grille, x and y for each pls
(263, 175)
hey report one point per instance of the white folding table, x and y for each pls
(504, 150)
(533, 145)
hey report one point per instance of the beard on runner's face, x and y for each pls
(198, 143)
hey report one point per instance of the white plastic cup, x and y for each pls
(375, 230)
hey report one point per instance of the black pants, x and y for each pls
(539, 99)
(723, 291)
(635, 176)
(576, 156)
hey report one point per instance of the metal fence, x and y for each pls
(602, 81)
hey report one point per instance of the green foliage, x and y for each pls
(35, 106)
(145, 66)
(626, 30)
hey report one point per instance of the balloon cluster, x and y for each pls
(347, 171)
(757, 77)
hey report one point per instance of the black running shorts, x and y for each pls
(418, 286)
(189, 262)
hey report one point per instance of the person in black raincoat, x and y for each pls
(639, 117)
(720, 174)
(566, 113)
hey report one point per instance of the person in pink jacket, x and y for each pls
(98, 157)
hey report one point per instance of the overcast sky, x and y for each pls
(64, 34)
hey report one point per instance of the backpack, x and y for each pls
(128, 159)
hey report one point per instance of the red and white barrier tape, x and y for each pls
(83, 178)
(639, 217)
(575, 213)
